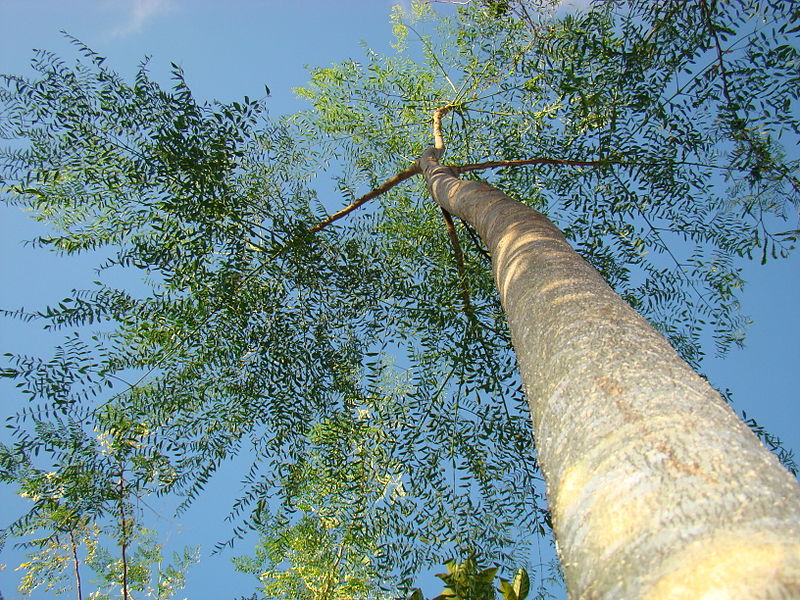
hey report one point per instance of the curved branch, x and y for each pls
(438, 140)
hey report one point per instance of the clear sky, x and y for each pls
(233, 48)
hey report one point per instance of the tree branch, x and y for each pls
(718, 47)
(459, 256)
(438, 140)
(495, 164)
(476, 241)
(409, 172)
(381, 189)
(448, 219)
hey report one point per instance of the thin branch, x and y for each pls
(381, 189)
(433, 56)
(329, 580)
(720, 61)
(75, 565)
(458, 254)
(658, 24)
(494, 112)
(428, 409)
(495, 164)
(664, 244)
(731, 48)
(124, 539)
(476, 241)
(459, 257)
(793, 181)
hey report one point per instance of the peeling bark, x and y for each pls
(657, 489)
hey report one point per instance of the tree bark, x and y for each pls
(656, 488)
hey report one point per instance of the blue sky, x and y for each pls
(234, 48)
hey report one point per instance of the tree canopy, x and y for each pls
(365, 351)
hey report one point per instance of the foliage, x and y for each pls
(58, 564)
(328, 535)
(247, 336)
(146, 570)
(676, 200)
(773, 443)
(465, 581)
(53, 567)
(85, 504)
(246, 327)
(468, 581)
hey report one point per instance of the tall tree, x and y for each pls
(264, 315)
(656, 488)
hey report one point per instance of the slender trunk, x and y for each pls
(124, 536)
(76, 566)
(656, 488)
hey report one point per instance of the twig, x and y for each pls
(720, 61)
(434, 57)
(476, 241)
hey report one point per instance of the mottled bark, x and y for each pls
(657, 489)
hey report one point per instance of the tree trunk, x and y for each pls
(656, 488)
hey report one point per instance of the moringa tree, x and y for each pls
(263, 315)
(656, 488)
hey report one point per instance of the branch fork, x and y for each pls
(435, 153)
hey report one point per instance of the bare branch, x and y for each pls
(414, 169)
(124, 535)
(438, 140)
(381, 189)
(496, 164)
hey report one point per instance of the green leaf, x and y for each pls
(522, 584)
(507, 590)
